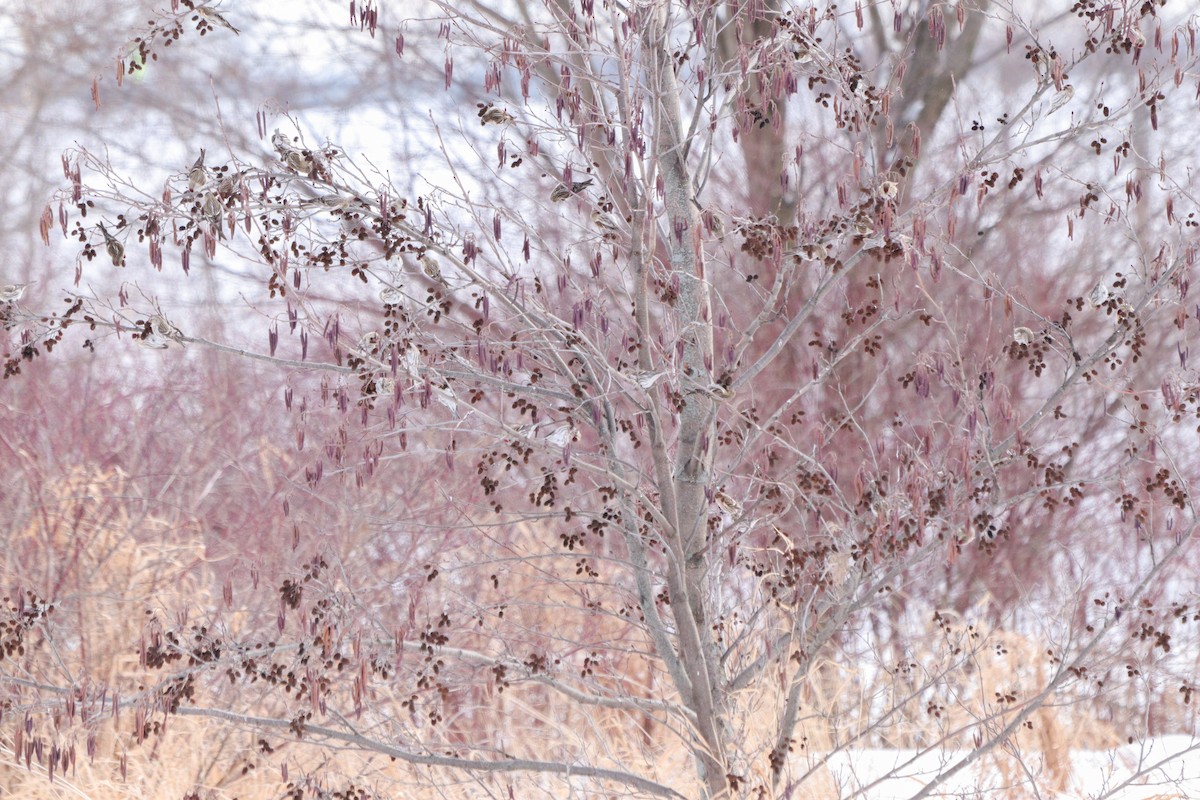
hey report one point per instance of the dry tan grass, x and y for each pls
(119, 561)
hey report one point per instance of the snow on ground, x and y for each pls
(1167, 768)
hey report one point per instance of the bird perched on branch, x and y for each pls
(161, 326)
(159, 334)
(115, 250)
(212, 210)
(1061, 98)
(216, 19)
(288, 154)
(198, 175)
(561, 192)
(605, 222)
(490, 115)
(12, 292)
(431, 267)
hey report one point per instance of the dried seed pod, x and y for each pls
(391, 296)
(212, 211)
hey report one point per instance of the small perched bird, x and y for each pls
(1099, 295)
(1061, 98)
(12, 292)
(811, 252)
(561, 192)
(381, 387)
(720, 391)
(800, 52)
(160, 334)
(431, 266)
(888, 190)
(1022, 335)
(216, 19)
(161, 326)
(298, 161)
(368, 343)
(212, 210)
(289, 155)
(198, 175)
(391, 296)
(336, 202)
(228, 185)
(115, 250)
(727, 504)
(281, 142)
(605, 221)
(490, 115)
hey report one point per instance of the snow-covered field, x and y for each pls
(1159, 769)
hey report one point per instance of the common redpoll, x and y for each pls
(216, 19)
(888, 190)
(490, 115)
(646, 380)
(561, 192)
(727, 503)
(1061, 98)
(212, 210)
(198, 175)
(1099, 295)
(228, 185)
(430, 265)
(811, 252)
(161, 326)
(298, 161)
(604, 221)
(115, 250)
(1022, 335)
(12, 292)
(391, 296)
(720, 391)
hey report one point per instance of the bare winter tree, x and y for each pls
(701, 391)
